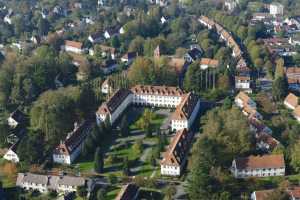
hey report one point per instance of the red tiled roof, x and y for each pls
(258, 162)
(73, 44)
(292, 100)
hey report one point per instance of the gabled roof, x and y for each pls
(74, 44)
(259, 162)
(114, 101)
(209, 62)
(267, 139)
(18, 116)
(186, 107)
(297, 111)
(157, 90)
(262, 194)
(292, 100)
(128, 192)
(177, 149)
(129, 55)
(74, 139)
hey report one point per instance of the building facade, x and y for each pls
(186, 104)
(67, 151)
(175, 157)
(258, 166)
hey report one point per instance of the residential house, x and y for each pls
(16, 118)
(128, 192)
(67, 151)
(292, 191)
(109, 66)
(261, 194)
(74, 47)
(163, 20)
(243, 83)
(261, 17)
(258, 166)
(108, 51)
(110, 32)
(291, 101)
(193, 54)
(46, 183)
(129, 57)
(293, 76)
(106, 87)
(256, 126)
(230, 5)
(11, 154)
(248, 106)
(95, 37)
(276, 9)
(175, 158)
(208, 63)
(265, 142)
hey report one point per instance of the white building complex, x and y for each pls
(186, 104)
(175, 157)
(276, 9)
(67, 151)
(258, 166)
(46, 183)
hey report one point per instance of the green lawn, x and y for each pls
(112, 194)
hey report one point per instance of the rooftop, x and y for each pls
(258, 162)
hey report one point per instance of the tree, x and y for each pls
(170, 192)
(81, 191)
(124, 126)
(136, 45)
(146, 121)
(295, 157)
(141, 71)
(101, 194)
(138, 146)
(115, 42)
(278, 194)
(126, 167)
(279, 88)
(98, 160)
(43, 26)
(279, 71)
(112, 179)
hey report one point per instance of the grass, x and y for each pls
(112, 193)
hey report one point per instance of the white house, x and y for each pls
(106, 87)
(67, 151)
(243, 83)
(258, 166)
(175, 157)
(291, 101)
(276, 9)
(129, 57)
(74, 47)
(46, 183)
(187, 104)
(95, 38)
(208, 63)
(242, 100)
(292, 191)
(15, 118)
(11, 154)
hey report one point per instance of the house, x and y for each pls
(46, 183)
(109, 66)
(230, 5)
(206, 22)
(193, 54)
(242, 100)
(109, 33)
(95, 37)
(261, 16)
(187, 104)
(175, 158)
(261, 194)
(296, 113)
(163, 20)
(16, 118)
(293, 76)
(208, 63)
(292, 191)
(11, 154)
(243, 83)
(258, 166)
(67, 151)
(257, 126)
(248, 106)
(35, 39)
(128, 192)
(108, 51)
(74, 47)
(129, 57)
(106, 87)
(265, 142)
(276, 9)
(291, 101)
(114, 106)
